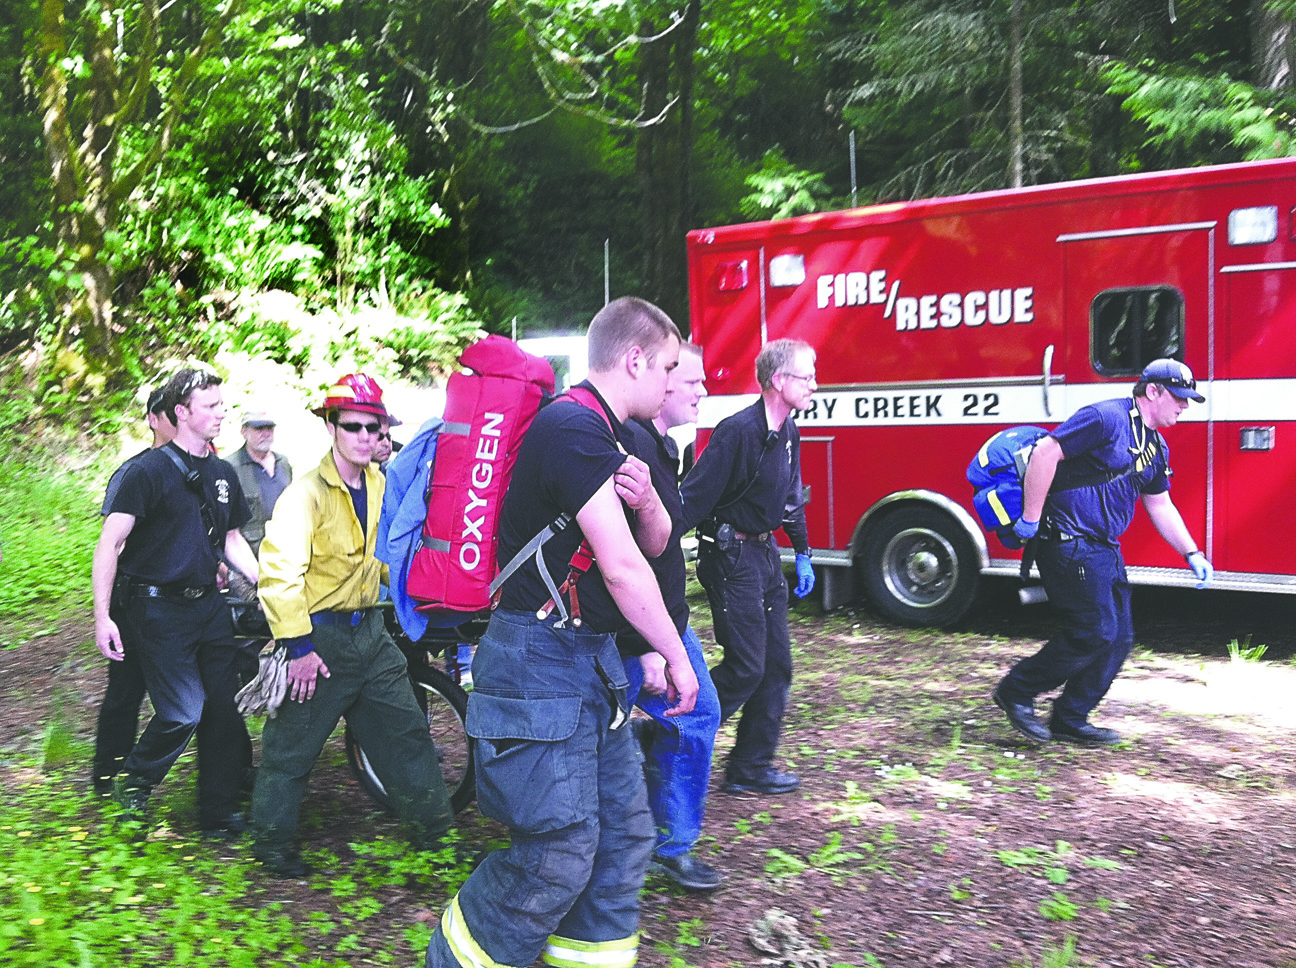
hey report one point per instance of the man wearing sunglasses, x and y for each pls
(383, 447)
(1077, 535)
(177, 511)
(319, 586)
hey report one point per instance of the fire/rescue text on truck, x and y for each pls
(932, 311)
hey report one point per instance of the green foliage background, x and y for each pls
(405, 176)
(475, 157)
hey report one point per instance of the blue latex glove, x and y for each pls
(1025, 529)
(1201, 567)
(805, 576)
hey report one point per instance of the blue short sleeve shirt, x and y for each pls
(1106, 438)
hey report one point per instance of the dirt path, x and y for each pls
(926, 832)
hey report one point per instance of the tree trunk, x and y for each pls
(1015, 94)
(80, 174)
(82, 121)
(685, 50)
(653, 167)
(1272, 47)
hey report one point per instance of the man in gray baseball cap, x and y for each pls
(262, 472)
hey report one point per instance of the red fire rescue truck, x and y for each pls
(939, 322)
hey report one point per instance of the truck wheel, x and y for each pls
(918, 567)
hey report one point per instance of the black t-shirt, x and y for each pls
(749, 477)
(567, 455)
(169, 540)
(661, 454)
(114, 482)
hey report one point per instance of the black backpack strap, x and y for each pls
(194, 483)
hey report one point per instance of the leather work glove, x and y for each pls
(1201, 567)
(805, 576)
(265, 694)
(1025, 529)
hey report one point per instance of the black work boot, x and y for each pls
(132, 796)
(688, 871)
(1021, 716)
(284, 862)
(1086, 734)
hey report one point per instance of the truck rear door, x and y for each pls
(1132, 295)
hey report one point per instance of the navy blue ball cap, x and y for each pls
(1175, 377)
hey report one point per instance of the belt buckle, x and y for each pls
(357, 617)
(192, 593)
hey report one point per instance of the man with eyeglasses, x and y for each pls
(745, 485)
(174, 516)
(1077, 535)
(263, 473)
(319, 586)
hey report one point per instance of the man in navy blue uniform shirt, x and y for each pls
(176, 513)
(1078, 532)
(746, 485)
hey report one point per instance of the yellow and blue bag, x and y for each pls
(996, 474)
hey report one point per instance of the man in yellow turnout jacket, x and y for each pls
(319, 586)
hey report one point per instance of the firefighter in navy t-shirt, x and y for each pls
(177, 509)
(1078, 548)
(548, 716)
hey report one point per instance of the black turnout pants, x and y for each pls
(190, 664)
(749, 602)
(118, 716)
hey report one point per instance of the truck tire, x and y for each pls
(918, 567)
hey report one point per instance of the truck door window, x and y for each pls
(1132, 327)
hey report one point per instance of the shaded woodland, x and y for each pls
(463, 163)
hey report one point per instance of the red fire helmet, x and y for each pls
(355, 391)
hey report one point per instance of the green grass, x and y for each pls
(78, 889)
(51, 523)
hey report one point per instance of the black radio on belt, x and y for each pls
(721, 536)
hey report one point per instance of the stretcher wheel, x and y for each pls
(446, 704)
(918, 567)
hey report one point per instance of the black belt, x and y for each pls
(744, 536)
(174, 592)
(1053, 534)
(345, 619)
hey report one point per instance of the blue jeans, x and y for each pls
(678, 762)
(555, 764)
(1088, 589)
